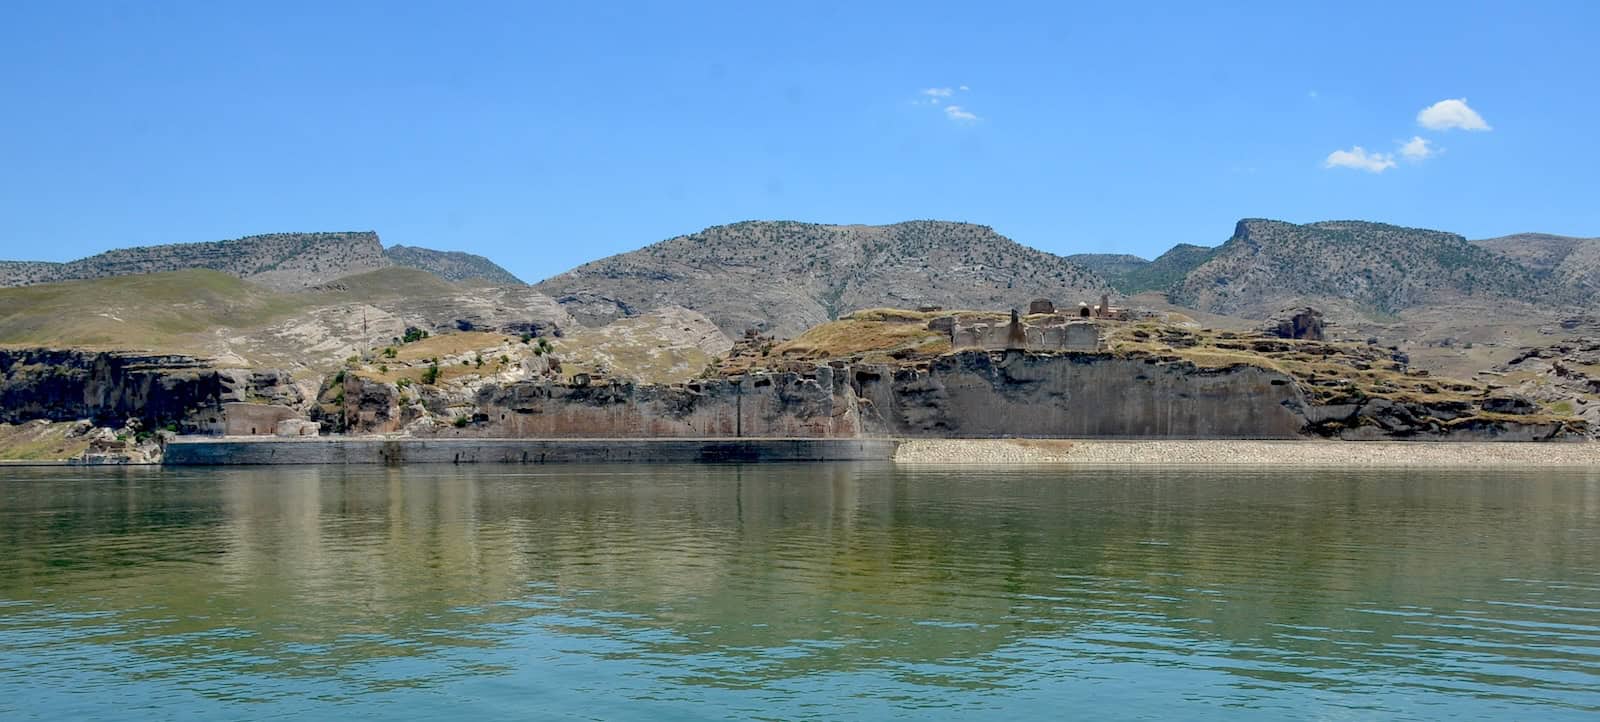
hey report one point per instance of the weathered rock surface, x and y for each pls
(110, 388)
(1563, 376)
(978, 394)
(811, 404)
(1304, 323)
(968, 394)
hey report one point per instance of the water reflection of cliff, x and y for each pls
(734, 575)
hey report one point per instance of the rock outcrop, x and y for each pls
(110, 388)
(966, 394)
(1304, 323)
(981, 394)
(811, 404)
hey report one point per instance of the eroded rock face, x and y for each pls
(1510, 404)
(111, 388)
(810, 404)
(977, 394)
(968, 394)
(1304, 323)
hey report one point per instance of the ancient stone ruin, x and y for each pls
(1038, 331)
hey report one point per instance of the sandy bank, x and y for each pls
(1274, 453)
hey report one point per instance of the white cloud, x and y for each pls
(963, 88)
(1451, 113)
(938, 92)
(1418, 148)
(957, 113)
(1358, 158)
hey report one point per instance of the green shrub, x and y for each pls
(431, 375)
(460, 422)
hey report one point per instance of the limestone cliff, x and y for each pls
(970, 394)
(110, 388)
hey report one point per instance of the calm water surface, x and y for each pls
(798, 592)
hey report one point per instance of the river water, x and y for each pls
(798, 592)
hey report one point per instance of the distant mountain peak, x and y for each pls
(786, 276)
(452, 265)
(1387, 268)
(284, 261)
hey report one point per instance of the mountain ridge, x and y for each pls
(785, 276)
(1566, 260)
(283, 261)
(1268, 264)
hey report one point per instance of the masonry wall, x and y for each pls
(193, 452)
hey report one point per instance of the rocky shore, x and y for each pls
(1250, 453)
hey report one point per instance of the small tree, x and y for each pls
(431, 374)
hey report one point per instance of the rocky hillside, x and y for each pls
(783, 277)
(1572, 263)
(1268, 265)
(240, 323)
(1109, 265)
(284, 261)
(451, 265)
(1132, 274)
(280, 260)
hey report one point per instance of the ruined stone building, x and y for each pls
(1043, 329)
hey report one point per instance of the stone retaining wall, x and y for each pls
(234, 451)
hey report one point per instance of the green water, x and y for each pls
(797, 592)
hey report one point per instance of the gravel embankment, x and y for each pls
(1275, 453)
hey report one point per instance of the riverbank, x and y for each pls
(1248, 453)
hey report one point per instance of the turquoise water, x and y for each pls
(797, 592)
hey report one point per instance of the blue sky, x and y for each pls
(545, 135)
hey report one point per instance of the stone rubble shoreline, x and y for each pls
(1248, 453)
